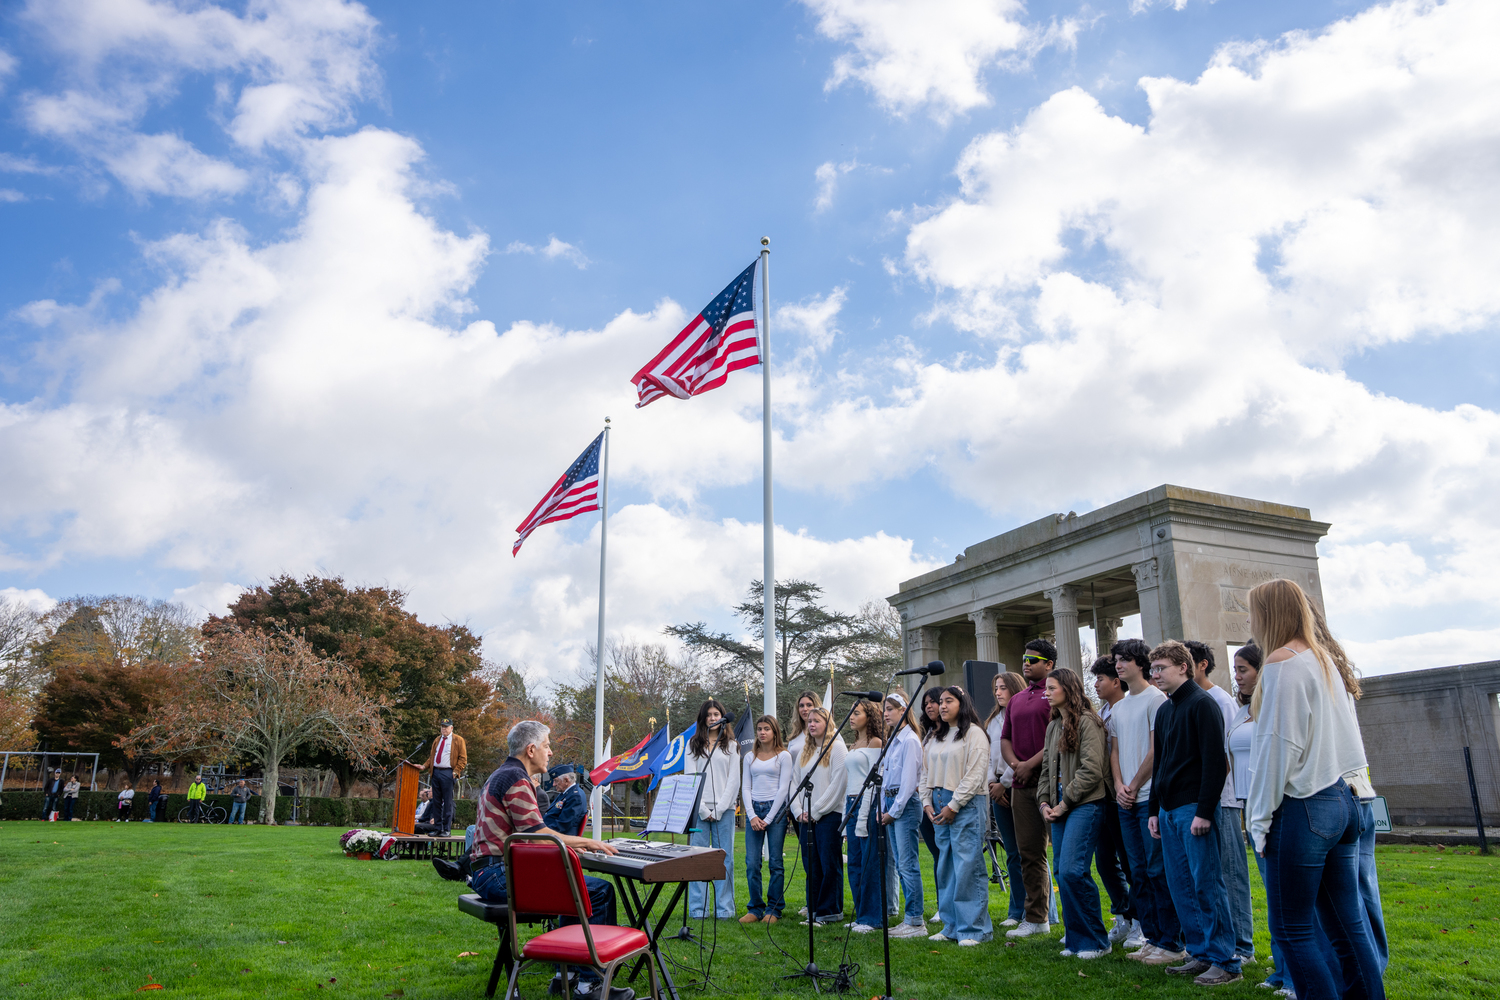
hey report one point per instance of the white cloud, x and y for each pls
(1141, 6)
(827, 175)
(1444, 648)
(208, 598)
(932, 54)
(37, 599)
(552, 250)
(815, 318)
(166, 164)
(11, 195)
(8, 64)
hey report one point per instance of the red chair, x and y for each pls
(544, 877)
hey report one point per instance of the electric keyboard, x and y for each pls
(650, 861)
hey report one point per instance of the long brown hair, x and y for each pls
(777, 744)
(1282, 613)
(798, 726)
(874, 727)
(1075, 707)
(698, 745)
(809, 748)
(1336, 653)
(1014, 683)
(908, 714)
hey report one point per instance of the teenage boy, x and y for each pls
(1187, 779)
(1021, 741)
(1109, 857)
(1133, 721)
(1230, 828)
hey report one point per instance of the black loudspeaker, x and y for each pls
(979, 681)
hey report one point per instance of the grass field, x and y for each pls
(102, 910)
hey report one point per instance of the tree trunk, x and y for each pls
(270, 774)
(345, 773)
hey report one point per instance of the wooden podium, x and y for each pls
(404, 816)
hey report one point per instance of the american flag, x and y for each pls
(720, 339)
(577, 492)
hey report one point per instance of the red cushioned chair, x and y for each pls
(544, 877)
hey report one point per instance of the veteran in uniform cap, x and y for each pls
(447, 760)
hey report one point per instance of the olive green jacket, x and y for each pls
(1084, 772)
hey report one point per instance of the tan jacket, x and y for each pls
(458, 756)
(1084, 771)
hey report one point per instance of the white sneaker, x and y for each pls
(1091, 955)
(908, 931)
(934, 919)
(1027, 929)
(939, 936)
(1009, 922)
(861, 928)
(802, 912)
(1144, 952)
(1067, 953)
(1136, 938)
(969, 943)
(1120, 931)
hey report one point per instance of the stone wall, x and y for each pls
(1416, 725)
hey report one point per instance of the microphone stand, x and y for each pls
(811, 970)
(872, 779)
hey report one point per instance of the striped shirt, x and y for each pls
(506, 806)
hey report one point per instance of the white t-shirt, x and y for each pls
(1241, 740)
(1134, 720)
(1229, 709)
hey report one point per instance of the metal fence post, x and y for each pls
(1484, 847)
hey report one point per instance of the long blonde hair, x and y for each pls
(798, 726)
(908, 714)
(1282, 613)
(809, 748)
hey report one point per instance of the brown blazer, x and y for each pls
(458, 756)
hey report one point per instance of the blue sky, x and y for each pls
(328, 288)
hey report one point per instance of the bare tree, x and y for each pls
(21, 627)
(264, 695)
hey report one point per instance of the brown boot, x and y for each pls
(749, 918)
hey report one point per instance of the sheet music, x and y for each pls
(676, 806)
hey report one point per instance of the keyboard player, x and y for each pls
(508, 805)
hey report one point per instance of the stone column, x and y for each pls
(1106, 631)
(1065, 621)
(922, 648)
(1148, 589)
(986, 634)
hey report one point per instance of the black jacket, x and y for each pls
(1189, 765)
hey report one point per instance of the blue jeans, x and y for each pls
(1113, 865)
(904, 840)
(150, 809)
(1075, 838)
(237, 812)
(1312, 880)
(717, 833)
(1235, 863)
(774, 837)
(963, 886)
(822, 860)
(489, 883)
(864, 864)
(1153, 900)
(1014, 880)
(1195, 876)
(1278, 977)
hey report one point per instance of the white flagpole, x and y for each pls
(598, 803)
(768, 577)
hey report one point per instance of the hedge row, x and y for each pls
(351, 812)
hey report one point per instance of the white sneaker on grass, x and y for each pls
(1089, 956)
(908, 931)
(939, 936)
(1142, 953)
(1136, 938)
(1027, 929)
(969, 943)
(1067, 953)
(1009, 922)
(861, 928)
(1120, 931)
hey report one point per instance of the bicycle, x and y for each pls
(212, 814)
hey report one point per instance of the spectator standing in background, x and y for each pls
(1187, 781)
(124, 802)
(52, 791)
(70, 797)
(238, 798)
(154, 803)
(197, 795)
(568, 807)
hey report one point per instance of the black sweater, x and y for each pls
(1189, 765)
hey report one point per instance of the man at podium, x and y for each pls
(447, 760)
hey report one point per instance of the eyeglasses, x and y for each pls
(1032, 658)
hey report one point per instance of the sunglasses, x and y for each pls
(1032, 658)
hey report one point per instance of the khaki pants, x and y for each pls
(1031, 838)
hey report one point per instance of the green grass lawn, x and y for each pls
(100, 910)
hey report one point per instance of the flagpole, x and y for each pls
(598, 803)
(768, 577)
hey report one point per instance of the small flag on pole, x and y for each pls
(577, 492)
(720, 339)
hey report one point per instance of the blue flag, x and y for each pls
(676, 754)
(639, 764)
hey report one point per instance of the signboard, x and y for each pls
(1382, 815)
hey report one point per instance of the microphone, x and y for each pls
(418, 747)
(935, 667)
(872, 695)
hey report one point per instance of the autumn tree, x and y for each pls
(417, 673)
(262, 695)
(93, 701)
(642, 681)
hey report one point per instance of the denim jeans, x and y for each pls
(774, 837)
(68, 809)
(237, 812)
(717, 833)
(150, 812)
(1195, 876)
(1235, 862)
(489, 883)
(1075, 838)
(1278, 977)
(963, 886)
(1312, 880)
(1153, 900)
(904, 840)
(1113, 865)
(1013, 878)
(822, 860)
(864, 864)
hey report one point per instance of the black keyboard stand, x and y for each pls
(638, 912)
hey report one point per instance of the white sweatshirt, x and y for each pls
(828, 781)
(961, 766)
(721, 787)
(784, 769)
(1306, 737)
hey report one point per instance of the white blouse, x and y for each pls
(721, 784)
(766, 781)
(857, 766)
